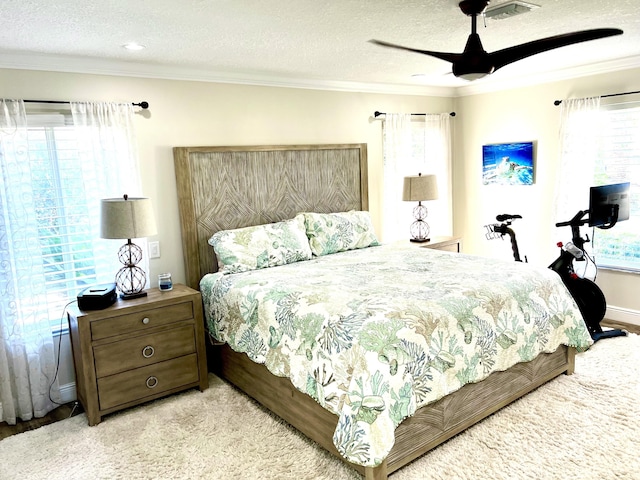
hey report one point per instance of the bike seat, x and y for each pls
(507, 216)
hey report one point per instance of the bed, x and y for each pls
(368, 414)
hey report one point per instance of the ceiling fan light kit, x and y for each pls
(474, 62)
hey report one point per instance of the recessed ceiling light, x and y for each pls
(133, 46)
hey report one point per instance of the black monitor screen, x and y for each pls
(602, 202)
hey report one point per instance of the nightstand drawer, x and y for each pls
(146, 319)
(143, 350)
(146, 381)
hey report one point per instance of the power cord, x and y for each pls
(589, 259)
(64, 311)
(586, 266)
(592, 259)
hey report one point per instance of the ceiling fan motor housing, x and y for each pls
(473, 7)
(475, 62)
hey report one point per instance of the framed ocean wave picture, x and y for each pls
(508, 163)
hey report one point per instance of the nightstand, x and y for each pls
(138, 350)
(450, 244)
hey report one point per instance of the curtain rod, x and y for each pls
(558, 102)
(143, 105)
(376, 114)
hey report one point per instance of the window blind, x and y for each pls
(73, 256)
(619, 161)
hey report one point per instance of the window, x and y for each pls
(618, 161)
(55, 167)
(413, 145)
(72, 254)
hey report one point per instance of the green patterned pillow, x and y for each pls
(337, 232)
(261, 246)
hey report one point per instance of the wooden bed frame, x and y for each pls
(223, 188)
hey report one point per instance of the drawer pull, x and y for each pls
(145, 320)
(148, 351)
(152, 382)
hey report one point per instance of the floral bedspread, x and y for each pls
(374, 334)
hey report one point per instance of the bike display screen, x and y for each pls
(607, 200)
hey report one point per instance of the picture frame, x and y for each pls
(508, 163)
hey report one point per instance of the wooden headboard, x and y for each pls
(222, 188)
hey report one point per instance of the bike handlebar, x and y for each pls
(576, 221)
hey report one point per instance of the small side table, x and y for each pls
(138, 350)
(449, 244)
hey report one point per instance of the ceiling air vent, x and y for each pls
(509, 9)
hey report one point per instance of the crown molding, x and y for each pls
(95, 66)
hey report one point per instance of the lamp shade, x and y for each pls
(419, 188)
(127, 218)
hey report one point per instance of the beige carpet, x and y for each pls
(584, 426)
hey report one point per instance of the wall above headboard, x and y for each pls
(221, 188)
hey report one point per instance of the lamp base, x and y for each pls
(131, 296)
(419, 229)
(130, 279)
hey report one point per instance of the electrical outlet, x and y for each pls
(154, 249)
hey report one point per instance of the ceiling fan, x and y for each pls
(474, 62)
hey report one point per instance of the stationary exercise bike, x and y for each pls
(499, 230)
(587, 295)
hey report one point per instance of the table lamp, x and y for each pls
(128, 218)
(420, 188)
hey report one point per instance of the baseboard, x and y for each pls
(625, 315)
(68, 392)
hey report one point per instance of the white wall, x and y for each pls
(520, 115)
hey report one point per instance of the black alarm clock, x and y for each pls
(97, 297)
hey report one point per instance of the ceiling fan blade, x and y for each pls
(448, 57)
(509, 55)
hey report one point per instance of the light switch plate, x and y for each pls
(154, 249)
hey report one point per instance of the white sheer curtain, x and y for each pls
(107, 145)
(108, 160)
(100, 162)
(27, 362)
(412, 146)
(579, 127)
(398, 152)
(437, 151)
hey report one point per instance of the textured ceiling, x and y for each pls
(304, 42)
